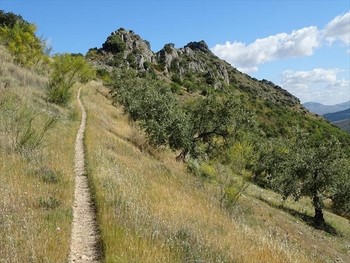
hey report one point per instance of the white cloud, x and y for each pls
(338, 29)
(301, 42)
(320, 85)
(246, 58)
(315, 76)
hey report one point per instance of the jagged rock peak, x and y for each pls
(129, 38)
(128, 47)
(201, 45)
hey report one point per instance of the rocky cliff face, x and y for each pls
(195, 58)
(123, 48)
(193, 65)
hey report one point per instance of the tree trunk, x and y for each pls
(318, 218)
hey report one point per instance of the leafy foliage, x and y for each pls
(9, 19)
(21, 124)
(228, 118)
(114, 44)
(195, 128)
(303, 166)
(66, 70)
(19, 37)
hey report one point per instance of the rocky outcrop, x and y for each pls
(201, 46)
(124, 47)
(193, 59)
(193, 64)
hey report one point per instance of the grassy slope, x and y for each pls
(151, 210)
(36, 190)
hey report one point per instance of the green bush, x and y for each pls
(66, 71)
(175, 88)
(9, 19)
(104, 75)
(114, 44)
(20, 39)
(207, 170)
(59, 93)
(22, 125)
(169, 48)
(49, 203)
(176, 78)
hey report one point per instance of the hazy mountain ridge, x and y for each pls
(338, 116)
(322, 109)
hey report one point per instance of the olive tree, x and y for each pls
(305, 167)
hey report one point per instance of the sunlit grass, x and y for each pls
(151, 210)
(36, 190)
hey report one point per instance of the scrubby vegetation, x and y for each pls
(36, 169)
(207, 130)
(36, 156)
(301, 166)
(66, 71)
(151, 209)
(20, 39)
(177, 179)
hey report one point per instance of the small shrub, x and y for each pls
(67, 69)
(175, 65)
(104, 75)
(59, 94)
(169, 48)
(147, 65)
(132, 60)
(193, 167)
(73, 115)
(22, 125)
(176, 79)
(48, 175)
(49, 203)
(175, 88)
(207, 170)
(114, 44)
(20, 39)
(231, 191)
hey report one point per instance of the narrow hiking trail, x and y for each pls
(85, 238)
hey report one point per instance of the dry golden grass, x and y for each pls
(151, 210)
(36, 190)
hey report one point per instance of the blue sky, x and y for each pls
(304, 46)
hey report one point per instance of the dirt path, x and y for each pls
(84, 240)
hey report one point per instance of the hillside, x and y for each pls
(343, 124)
(171, 154)
(322, 109)
(194, 71)
(36, 167)
(194, 67)
(152, 210)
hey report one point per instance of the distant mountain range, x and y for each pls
(322, 109)
(338, 114)
(340, 118)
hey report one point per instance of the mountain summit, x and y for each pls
(193, 66)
